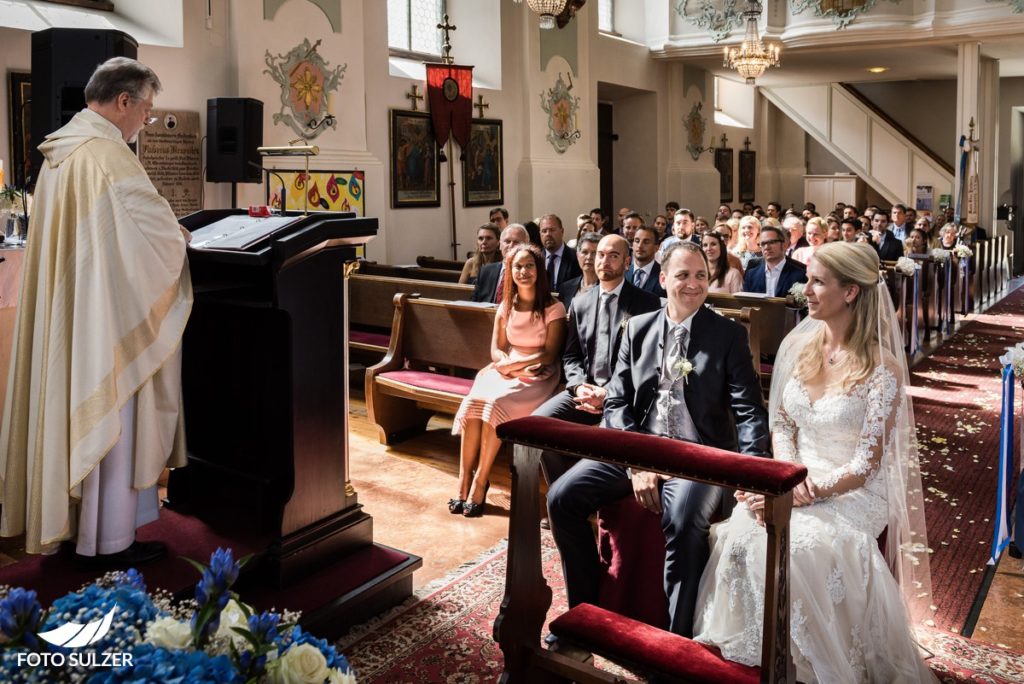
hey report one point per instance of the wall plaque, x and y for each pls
(169, 151)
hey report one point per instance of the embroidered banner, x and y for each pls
(450, 93)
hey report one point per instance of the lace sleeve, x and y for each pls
(867, 456)
(784, 437)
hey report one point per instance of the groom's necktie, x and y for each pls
(673, 415)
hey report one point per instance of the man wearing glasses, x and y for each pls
(93, 410)
(775, 273)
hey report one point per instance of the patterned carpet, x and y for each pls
(956, 401)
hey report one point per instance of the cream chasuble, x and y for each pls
(104, 300)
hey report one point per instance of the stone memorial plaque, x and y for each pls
(169, 149)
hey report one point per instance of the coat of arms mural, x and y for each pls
(306, 81)
(562, 108)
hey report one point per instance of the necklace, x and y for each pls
(832, 358)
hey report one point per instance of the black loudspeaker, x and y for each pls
(63, 59)
(234, 129)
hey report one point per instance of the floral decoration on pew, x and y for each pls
(1014, 356)
(114, 631)
(940, 256)
(796, 297)
(906, 266)
(963, 252)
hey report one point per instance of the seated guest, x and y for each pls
(888, 246)
(747, 248)
(592, 341)
(794, 227)
(864, 238)
(533, 230)
(833, 232)
(499, 217)
(775, 273)
(849, 229)
(726, 231)
(583, 225)
(916, 242)
(660, 225)
(600, 218)
(724, 213)
(683, 228)
(718, 403)
(671, 208)
(948, 236)
(586, 249)
(644, 271)
(630, 223)
(490, 276)
(815, 236)
(924, 224)
(560, 260)
(970, 235)
(701, 225)
(528, 333)
(722, 277)
(487, 238)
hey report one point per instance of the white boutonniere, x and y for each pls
(623, 322)
(681, 368)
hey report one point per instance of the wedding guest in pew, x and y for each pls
(660, 225)
(775, 273)
(916, 242)
(644, 270)
(840, 406)
(490, 276)
(748, 247)
(848, 228)
(924, 224)
(685, 373)
(948, 236)
(583, 225)
(795, 228)
(560, 260)
(725, 229)
(722, 277)
(889, 247)
(586, 249)
(529, 330)
(499, 217)
(487, 238)
(595, 324)
(815, 234)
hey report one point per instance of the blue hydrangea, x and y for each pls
(161, 666)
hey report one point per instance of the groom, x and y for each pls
(717, 402)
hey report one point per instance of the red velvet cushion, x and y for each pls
(433, 381)
(751, 473)
(766, 368)
(631, 545)
(648, 648)
(363, 337)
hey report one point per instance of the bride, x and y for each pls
(839, 406)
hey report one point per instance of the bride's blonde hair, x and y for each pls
(852, 263)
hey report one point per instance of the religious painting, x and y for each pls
(482, 173)
(723, 162)
(562, 108)
(20, 116)
(695, 126)
(319, 190)
(748, 175)
(306, 81)
(415, 164)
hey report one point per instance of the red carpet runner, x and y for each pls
(956, 401)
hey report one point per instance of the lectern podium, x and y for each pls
(265, 387)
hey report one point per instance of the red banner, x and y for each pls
(450, 93)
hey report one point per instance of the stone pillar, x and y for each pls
(977, 92)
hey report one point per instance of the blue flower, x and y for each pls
(334, 659)
(19, 616)
(213, 593)
(159, 665)
(264, 627)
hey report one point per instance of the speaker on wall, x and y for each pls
(63, 59)
(234, 129)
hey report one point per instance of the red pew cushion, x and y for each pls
(432, 381)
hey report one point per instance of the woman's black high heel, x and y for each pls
(456, 506)
(476, 510)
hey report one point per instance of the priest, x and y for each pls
(93, 408)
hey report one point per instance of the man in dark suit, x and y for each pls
(890, 248)
(645, 246)
(775, 273)
(488, 280)
(596, 320)
(683, 372)
(559, 258)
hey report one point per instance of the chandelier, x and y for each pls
(752, 57)
(547, 10)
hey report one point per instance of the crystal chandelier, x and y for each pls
(752, 57)
(547, 10)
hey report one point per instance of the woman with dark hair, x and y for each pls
(487, 238)
(916, 242)
(526, 344)
(722, 277)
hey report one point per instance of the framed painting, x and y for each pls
(748, 175)
(415, 163)
(19, 86)
(483, 180)
(321, 190)
(723, 162)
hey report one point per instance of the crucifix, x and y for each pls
(446, 49)
(724, 142)
(746, 144)
(414, 97)
(481, 106)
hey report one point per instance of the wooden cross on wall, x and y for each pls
(414, 97)
(481, 106)
(746, 143)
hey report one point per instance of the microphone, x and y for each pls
(268, 172)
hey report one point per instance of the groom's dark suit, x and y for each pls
(723, 397)
(578, 359)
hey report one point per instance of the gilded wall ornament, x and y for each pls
(706, 14)
(695, 127)
(842, 12)
(562, 108)
(306, 80)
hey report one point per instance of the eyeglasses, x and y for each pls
(768, 243)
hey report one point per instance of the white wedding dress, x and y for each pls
(848, 623)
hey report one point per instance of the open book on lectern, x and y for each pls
(238, 232)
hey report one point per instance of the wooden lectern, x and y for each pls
(265, 366)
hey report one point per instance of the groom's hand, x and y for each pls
(645, 490)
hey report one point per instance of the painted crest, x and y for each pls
(695, 125)
(562, 108)
(306, 81)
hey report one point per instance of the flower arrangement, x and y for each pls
(940, 256)
(10, 198)
(906, 265)
(797, 296)
(143, 637)
(963, 252)
(1014, 356)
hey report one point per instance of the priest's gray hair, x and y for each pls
(121, 75)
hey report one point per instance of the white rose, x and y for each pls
(336, 676)
(166, 632)
(233, 616)
(302, 664)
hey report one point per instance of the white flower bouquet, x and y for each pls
(797, 296)
(906, 266)
(940, 256)
(963, 252)
(1014, 356)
